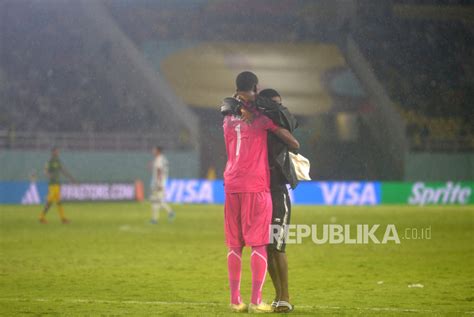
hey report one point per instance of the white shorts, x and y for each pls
(158, 196)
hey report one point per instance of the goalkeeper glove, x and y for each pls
(231, 106)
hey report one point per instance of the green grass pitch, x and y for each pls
(111, 262)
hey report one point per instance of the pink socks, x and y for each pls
(258, 264)
(234, 265)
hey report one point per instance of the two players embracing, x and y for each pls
(255, 177)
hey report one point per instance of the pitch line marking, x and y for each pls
(136, 302)
(105, 301)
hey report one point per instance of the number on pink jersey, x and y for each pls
(239, 137)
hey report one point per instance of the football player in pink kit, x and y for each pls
(248, 203)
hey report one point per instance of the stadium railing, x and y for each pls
(458, 145)
(88, 141)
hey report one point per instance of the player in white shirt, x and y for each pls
(159, 176)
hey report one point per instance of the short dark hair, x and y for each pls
(246, 81)
(158, 148)
(269, 93)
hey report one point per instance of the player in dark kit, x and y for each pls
(281, 174)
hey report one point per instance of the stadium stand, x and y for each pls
(60, 78)
(427, 67)
(51, 77)
(405, 53)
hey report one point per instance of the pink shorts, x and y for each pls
(247, 219)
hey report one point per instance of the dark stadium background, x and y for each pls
(384, 94)
(109, 76)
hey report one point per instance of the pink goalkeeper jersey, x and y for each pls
(247, 167)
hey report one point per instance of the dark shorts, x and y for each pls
(281, 215)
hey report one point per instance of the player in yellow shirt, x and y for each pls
(53, 170)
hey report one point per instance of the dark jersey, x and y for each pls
(54, 170)
(281, 169)
(275, 147)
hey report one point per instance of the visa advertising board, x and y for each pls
(196, 191)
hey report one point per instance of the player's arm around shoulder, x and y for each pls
(282, 133)
(287, 138)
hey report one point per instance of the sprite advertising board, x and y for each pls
(427, 193)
